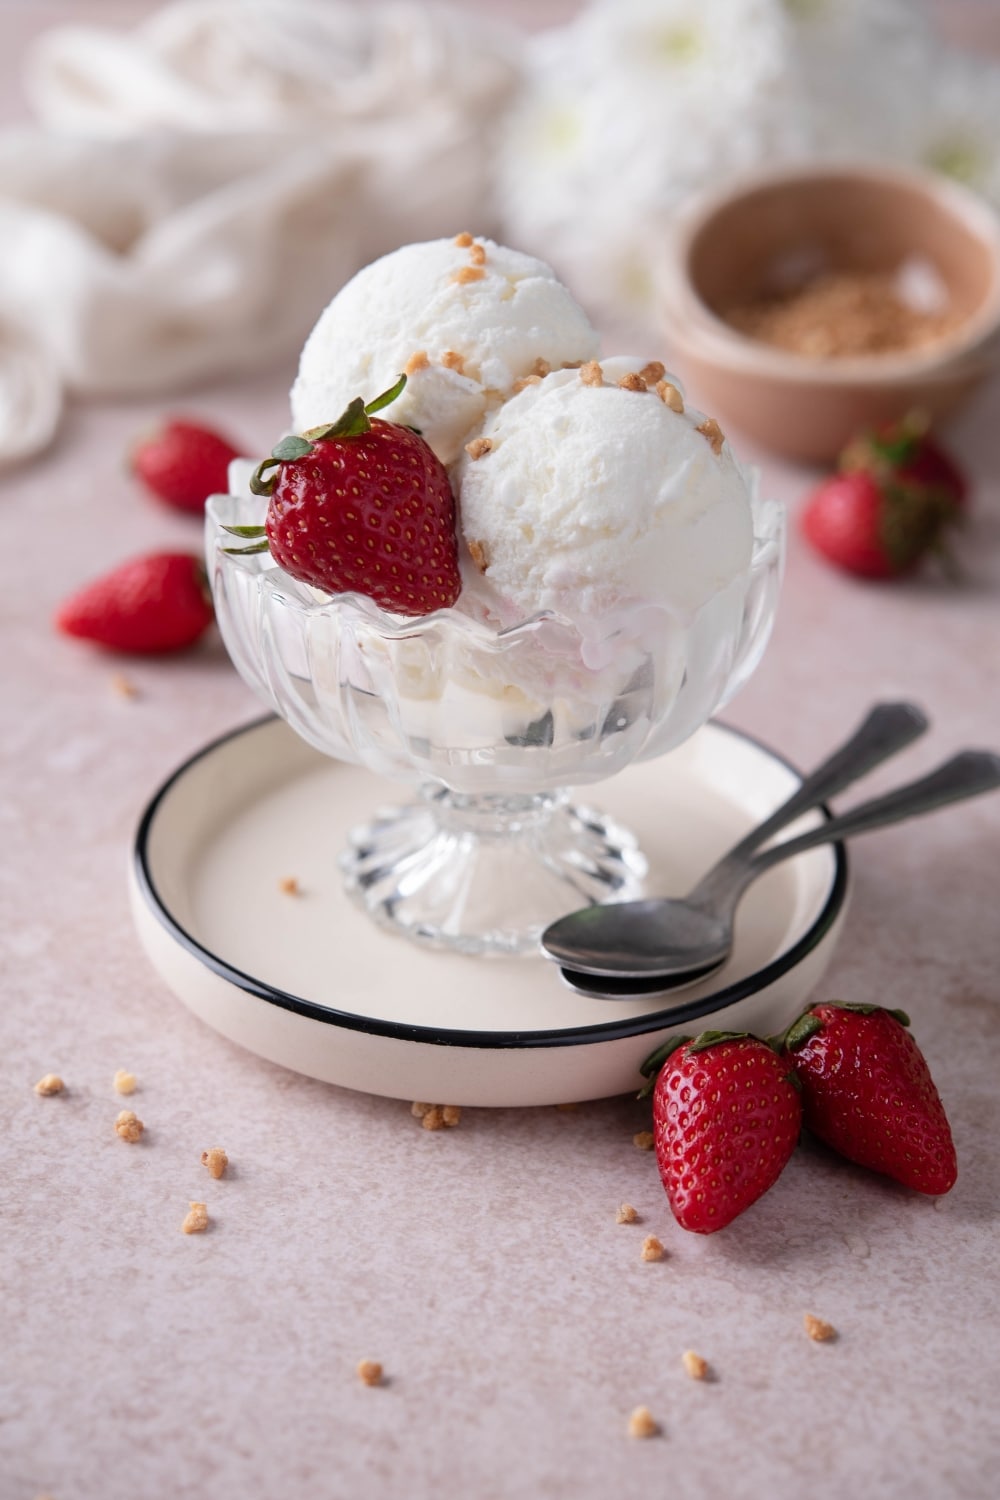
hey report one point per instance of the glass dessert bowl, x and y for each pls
(490, 726)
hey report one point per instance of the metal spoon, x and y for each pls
(646, 960)
(588, 939)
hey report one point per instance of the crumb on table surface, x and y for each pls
(124, 1082)
(369, 1372)
(51, 1083)
(215, 1160)
(128, 1126)
(642, 1423)
(652, 1248)
(695, 1366)
(436, 1116)
(626, 1214)
(196, 1219)
(818, 1329)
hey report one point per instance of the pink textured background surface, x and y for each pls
(482, 1266)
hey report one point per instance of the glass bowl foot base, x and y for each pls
(487, 874)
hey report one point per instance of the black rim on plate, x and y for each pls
(601, 1031)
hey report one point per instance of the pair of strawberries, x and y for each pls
(728, 1109)
(357, 505)
(161, 601)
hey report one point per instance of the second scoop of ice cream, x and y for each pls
(464, 319)
(596, 502)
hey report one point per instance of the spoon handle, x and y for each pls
(968, 774)
(886, 729)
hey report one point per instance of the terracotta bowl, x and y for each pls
(771, 232)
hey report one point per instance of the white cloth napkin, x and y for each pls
(201, 186)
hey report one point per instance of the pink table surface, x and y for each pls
(483, 1266)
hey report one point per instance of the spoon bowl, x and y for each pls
(667, 938)
(674, 935)
(593, 940)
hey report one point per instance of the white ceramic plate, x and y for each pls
(309, 981)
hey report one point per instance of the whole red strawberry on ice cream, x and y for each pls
(362, 506)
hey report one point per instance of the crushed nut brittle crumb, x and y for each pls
(215, 1160)
(418, 1109)
(465, 274)
(840, 314)
(695, 1366)
(523, 383)
(128, 1126)
(124, 686)
(670, 396)
(438, 1116)
(478, 447)
(818, 1330)
(541, 367)
(477, 253)
(124, 1082)
(652, 1248)
(196, 1219)
(417, 361)
(479, 555)
(50, 1084)
(626, 1214)
(288, 885)
(591, 373)
(369, 1372)
(644, 1140)
(632, 383)
(463, 240)
(711, 430)
(452, 360)
(642, 1423)
(653, 372)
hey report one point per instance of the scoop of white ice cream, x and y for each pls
(599, 502)
(463, 319)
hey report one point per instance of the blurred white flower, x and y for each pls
(954, 127)
(637, 104)
(859, 66)
(628, 110)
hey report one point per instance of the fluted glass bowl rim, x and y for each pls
(769, 519)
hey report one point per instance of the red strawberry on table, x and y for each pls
(361, 506)
(868, 1093)
(892, 502)
(152, 604)
(726, 1118)
(873, 527)
(183, 463)
(907, 450)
